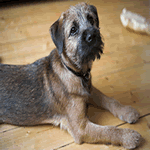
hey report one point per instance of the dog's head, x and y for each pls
(76, 34)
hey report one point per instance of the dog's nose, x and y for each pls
(89, 36)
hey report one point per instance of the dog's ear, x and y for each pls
(57, 34)
(94, 10)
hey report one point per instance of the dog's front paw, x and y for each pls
(128, 114)
(131, 139)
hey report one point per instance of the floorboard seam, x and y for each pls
(63, 146)
(9, 129)
(139, 118)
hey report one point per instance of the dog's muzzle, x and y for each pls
(89, 36)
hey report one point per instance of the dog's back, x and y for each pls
(22, 93)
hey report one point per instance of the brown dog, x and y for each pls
(56, 89)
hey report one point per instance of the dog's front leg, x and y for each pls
(85, 131)
(125, 113)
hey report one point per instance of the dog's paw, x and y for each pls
(128, 114)
(131, 139)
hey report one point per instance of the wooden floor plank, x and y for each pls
(25, 32)
(38, 137)
(10, 23)
(27, 45)
(138, 98)
(121, 60)
(115, 83)
(24, 18)
(6, 127)
(25, 52)
(91, 147)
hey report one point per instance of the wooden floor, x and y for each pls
(123, 71)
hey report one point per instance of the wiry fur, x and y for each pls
(56, 89)
(80, 53)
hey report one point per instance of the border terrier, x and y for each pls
(56, 89)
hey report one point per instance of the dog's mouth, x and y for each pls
(95, 53)
(91, 46)
(90, 53)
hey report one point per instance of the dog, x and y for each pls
(57, 89)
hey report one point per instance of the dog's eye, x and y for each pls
(73, 31)
(90, 19)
